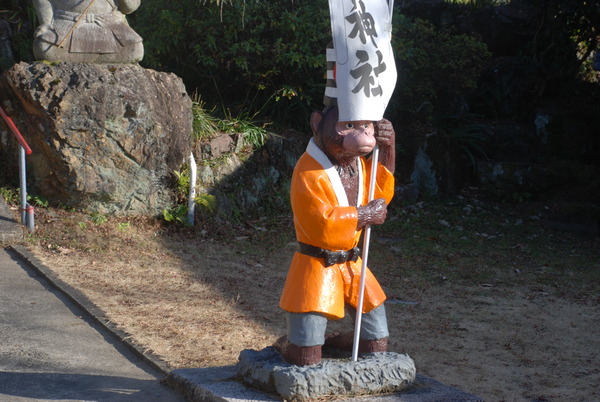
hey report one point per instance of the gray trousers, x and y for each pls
(308, 329)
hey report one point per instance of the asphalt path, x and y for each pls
(53, 350)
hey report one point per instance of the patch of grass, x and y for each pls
(10, 195)
(204, 125)
(254, 135)
(123, 226)
(98, 218)
(483, 243)
(207, 126)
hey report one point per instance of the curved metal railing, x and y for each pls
(27, 213)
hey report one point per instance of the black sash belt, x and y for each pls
(330, 257)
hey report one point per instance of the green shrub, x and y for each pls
(437, 69)
(268, 57)
(242, 55)
(22, 20)
(566, 36)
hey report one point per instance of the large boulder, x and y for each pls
(106, 138)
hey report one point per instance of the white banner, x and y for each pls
(365, 72)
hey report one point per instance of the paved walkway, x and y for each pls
(51, 349)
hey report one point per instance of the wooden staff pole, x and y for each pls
(75, 24)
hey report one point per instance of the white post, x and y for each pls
(27, 215)
(192, 194)
(23, 185)
(365, 257)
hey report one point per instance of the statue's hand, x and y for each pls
(128, 6)
(42, 29)
(384, 133)
(386, 139)
(374, 213)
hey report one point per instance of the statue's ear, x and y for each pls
(315, 120)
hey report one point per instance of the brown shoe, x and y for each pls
(345, 342)
(298, 355)
(374, 346)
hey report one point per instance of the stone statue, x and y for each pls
(86, 31)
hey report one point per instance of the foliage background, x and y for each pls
(268, 57)
(250, 56)
(242, 57)
(458, 60)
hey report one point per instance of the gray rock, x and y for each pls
(219, 145)
(371, 374)
(104, 137)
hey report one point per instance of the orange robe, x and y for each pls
(323, 218)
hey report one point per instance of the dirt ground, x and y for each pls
(512, 326)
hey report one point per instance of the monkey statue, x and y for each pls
(329, 192)
(86, 31)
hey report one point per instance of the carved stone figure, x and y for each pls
(330, 204)
(86, 31)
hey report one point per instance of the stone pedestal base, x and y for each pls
(372, 374)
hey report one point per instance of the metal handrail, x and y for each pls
(27, 213)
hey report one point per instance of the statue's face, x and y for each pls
(359, 136)
(342, 141)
